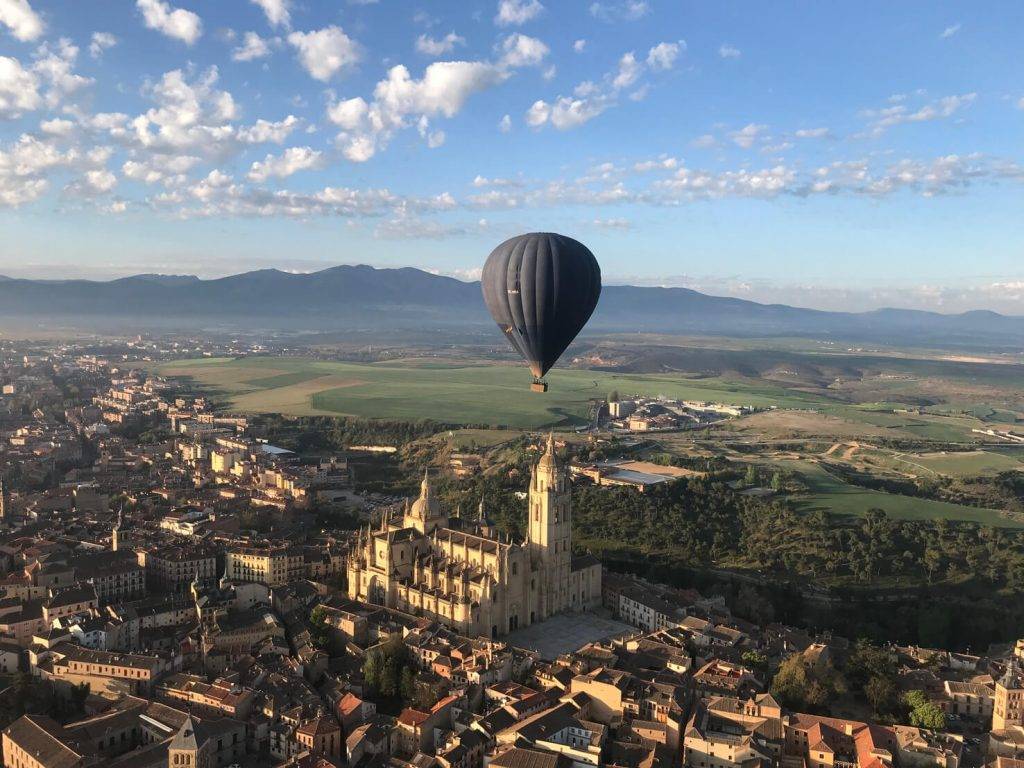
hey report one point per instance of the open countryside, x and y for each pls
(457, 394)
(791, 431)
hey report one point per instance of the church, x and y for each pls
(461, 573)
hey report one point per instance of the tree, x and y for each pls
(924, 713)
(883, 696)
(372, 670)
(613, 396)
(806, 688)
(389, 671)
(408, 684)
(320, 630)
(755, 660)
(750, 478)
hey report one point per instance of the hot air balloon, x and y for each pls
(541, 289)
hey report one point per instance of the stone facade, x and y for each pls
(463, 574)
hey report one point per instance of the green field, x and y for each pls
(949, 463)
(832, 494)
(457, 394)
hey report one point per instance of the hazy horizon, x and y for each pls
(946, 301)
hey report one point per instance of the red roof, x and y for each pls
(412, 716)
(349, 703)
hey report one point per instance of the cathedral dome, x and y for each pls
(427, 506)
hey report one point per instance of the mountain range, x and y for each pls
(366, 298)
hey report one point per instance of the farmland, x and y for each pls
(458, 394)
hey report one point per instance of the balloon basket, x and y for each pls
(539, 386)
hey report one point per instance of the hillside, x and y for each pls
(363, 297)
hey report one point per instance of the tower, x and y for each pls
(115, 534)
(550, 531)
(186, 750)
(3, 499)
(1008, 704)
(484, 525)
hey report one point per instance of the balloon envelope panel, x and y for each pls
(541, 289)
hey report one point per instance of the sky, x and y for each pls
(832, 155)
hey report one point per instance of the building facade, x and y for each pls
(461, 573)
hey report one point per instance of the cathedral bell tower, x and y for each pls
(550, 531)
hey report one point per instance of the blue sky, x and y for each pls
(848, 155)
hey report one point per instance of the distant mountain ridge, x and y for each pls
(363, 297)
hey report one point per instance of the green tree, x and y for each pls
(750, 478)
(806, 688)
(924, 713)
(756, 660)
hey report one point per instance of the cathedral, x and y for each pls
(459, 571)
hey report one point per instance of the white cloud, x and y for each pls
(665, 163)
(516, 12)
(400, 101)
(253, 47)
(57, 127)
(443, 90)
(100, 181)
(435, 139)
(899, 114)
(292, 160)
(505, 124)
(349, 114)
(325, 52)
(278, 12)
(54, 63)
(430, 46)
(627, 10)
(100, 42)
(565, 112)
(483, 181)
(727, 51)
(19, 88)
(589, 99)
(519, 50)
(612, 223)
(25, 164)
(705, 141)
(167, 169)
(265, 131)
(812, 133)
(747, 135)
(215, 183)
(949, 31)
(628, 72)
(174, 22)
(663, 55)
(190, 115)
(23, 22)
(579, 46)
